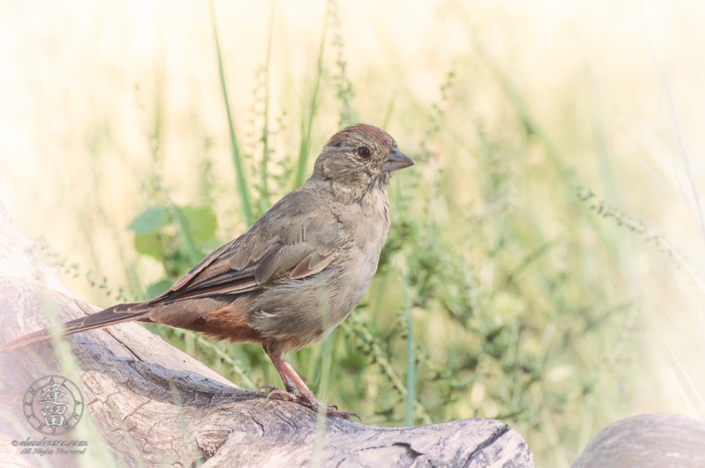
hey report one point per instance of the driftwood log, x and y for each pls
(647, 441)
(149, 404)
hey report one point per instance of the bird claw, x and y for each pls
(286, 396)
(310, 401)
(331, 410)
(335, 413)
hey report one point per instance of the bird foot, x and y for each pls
(310, 401)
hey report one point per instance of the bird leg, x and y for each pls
(297, 391)
(288, 384)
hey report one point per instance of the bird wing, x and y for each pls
(289, 241)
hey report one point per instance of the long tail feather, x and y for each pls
(110, 316)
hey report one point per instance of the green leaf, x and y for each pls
(201, 222)
(150, 220)
(157, 288)
(149, 244)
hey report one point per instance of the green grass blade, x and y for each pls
(326, 356)
(307, 121)
(237, 160)
(410, 362)
(185, 233)
(265, 202)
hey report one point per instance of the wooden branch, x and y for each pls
(152, 404)
(647, 440)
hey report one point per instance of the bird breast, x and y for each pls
(300, 312)
(368, 225)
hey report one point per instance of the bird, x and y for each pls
(293, 276)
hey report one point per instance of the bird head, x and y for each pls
(360, 158)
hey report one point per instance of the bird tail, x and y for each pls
(110, 316)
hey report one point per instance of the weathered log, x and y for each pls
(647, 441)
(152, 404)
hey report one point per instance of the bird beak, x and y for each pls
(396, 160)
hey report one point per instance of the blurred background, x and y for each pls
(544, 265)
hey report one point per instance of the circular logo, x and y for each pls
(53, 405)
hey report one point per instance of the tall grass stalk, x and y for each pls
(681, 391)
(125, 433)
(410, 360)
(676, 124)
(308, 117)
(326, 353)
(353, 326)
(99, 453)
(188, 441)
(264, 200)
(237, 159)
(682, 370)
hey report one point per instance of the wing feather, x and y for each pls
(312, 264)
(287, 242)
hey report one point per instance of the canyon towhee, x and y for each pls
(295, 274)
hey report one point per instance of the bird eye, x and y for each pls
(363, 152)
